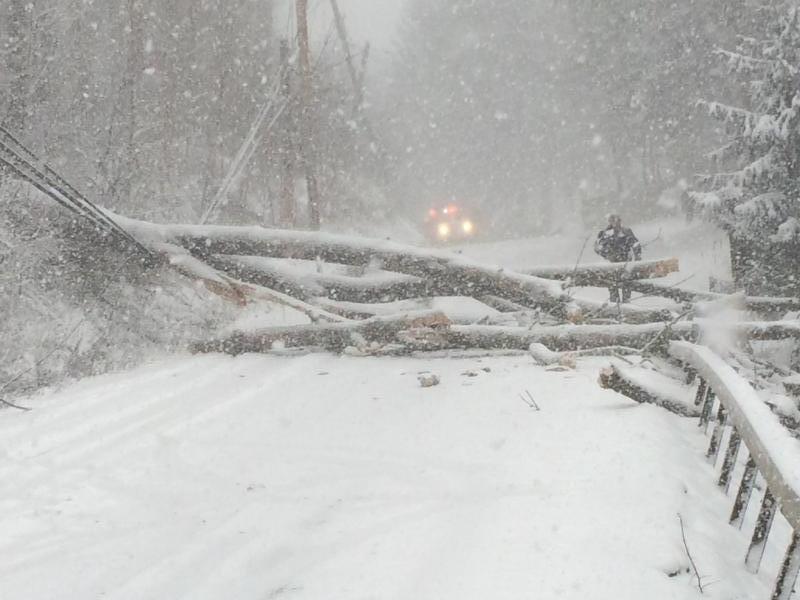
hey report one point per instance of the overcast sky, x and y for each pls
(367, 20)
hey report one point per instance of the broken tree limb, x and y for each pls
(447, 274)
(657, 288)
(232, 289)
(302, 289)
(387, 287)
(759, 330)
(189, 266)
(502, 304)
(544, 356)
(258, 292)
(284, 276)
(457, 309)
(627, 313)
(649, 387)
(754, 303)
(604, 274)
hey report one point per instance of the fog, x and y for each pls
(540, 117)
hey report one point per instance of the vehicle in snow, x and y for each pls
(450, 223)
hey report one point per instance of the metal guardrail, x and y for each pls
(738, 406)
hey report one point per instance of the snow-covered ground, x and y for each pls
(260, 477)
(334, 477)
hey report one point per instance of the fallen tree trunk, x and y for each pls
(232, 289)
(391, 287)
(605, 274)
(330, 336)
(563, 337)
(579, 337)
(368, 289)
(464, 311)
(272, 279)
(443, 336)
(649, 387)
(755, 303)
(438, 273)
(446, 273)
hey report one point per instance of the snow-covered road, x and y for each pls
(325, 477)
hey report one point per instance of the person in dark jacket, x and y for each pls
(618, 244)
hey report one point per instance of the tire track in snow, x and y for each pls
(58, 403)
(207, 405)
(211, 404)
(47, 474)
(65, 439)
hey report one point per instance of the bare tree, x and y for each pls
(307, 137)
(17, 64)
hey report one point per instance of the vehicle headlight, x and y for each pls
(467, 226)
(444, 230)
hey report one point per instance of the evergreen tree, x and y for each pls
(755, 194)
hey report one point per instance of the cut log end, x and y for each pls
(665, 393)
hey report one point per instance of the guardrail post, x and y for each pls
(705, 415)
(734, 443)
(789, 571)
(763, 525)
(744, 493)
(716, 436)
(701, 392)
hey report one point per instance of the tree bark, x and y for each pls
(433, 331)
(447, 274)
(309, 285)
(288, 202)
(335, 336)
(360, 290)
(307, 152)
(755, 303)
(133, 67)
(604, 274)
(341, 30)
(17, 65)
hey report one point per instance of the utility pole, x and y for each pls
(341, 30)
(134, 62)
(288, 208)
(357, 78)
(306, 126)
